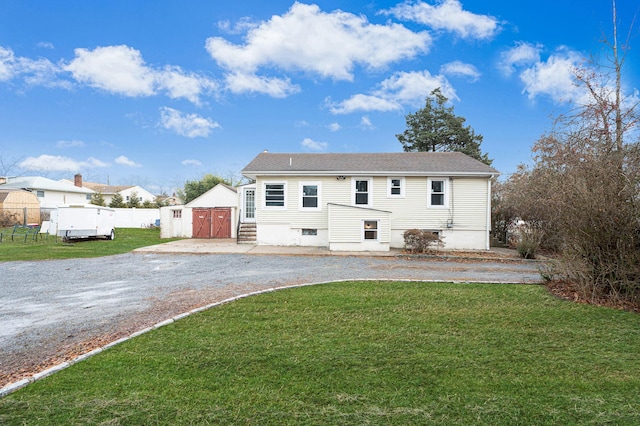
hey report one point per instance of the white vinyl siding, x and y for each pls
(466, 208)
(347, 222)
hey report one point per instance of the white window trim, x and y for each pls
(301, 195)
(446, 193)
(390, 186)
(369, 191)
(264, 195)
(377, 229)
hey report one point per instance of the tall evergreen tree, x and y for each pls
(436, 128)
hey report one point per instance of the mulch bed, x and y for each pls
(570, 291)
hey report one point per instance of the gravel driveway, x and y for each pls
(52, 311)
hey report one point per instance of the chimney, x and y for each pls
(77, 180)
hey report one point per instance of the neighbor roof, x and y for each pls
(38, 182)
(103, 188)
(388, 164)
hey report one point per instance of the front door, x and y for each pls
(249, 198)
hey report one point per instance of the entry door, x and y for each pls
(249, 205)
(201, 223)
(221, 222)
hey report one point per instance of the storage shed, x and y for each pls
(20, 206)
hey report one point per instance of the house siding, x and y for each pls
(462, 222)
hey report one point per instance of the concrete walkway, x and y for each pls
(225, 246)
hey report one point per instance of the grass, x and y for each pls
(349, 353)
(126, 240)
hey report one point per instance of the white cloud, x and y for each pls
(122, 70)
(366, 124)
(460, 69)
(447, 15)
(34, 72)
(314, 145)
(522, 54)
(244, 24)
(124, 161)
(188, 125)
(362, 102)
(56, 163)
(69, 144)
(180, 84)
(334, 127)
(251, 83)
(7, 61)
(402, 88)
(309, 40)
(46, 45)
(117, 69)
(194, 163)
(554, 78)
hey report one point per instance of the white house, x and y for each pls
(108, 191)
(365, 202)
(50, 193)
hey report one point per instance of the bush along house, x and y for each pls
(365, 202)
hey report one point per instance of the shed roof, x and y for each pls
(404, 163)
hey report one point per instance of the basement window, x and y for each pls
(309, 231)
(370, 230)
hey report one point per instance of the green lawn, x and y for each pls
(126, 240)
(398, 353)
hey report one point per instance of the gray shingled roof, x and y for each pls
(404, 163)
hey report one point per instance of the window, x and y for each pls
(40, 193)
(437, 192)
(306, 231)
(274, 195)
(88, 197)
(310, 196)
(370, 230)
(362, 192)
(177, 214)
(395, 187)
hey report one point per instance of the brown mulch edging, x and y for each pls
(569, 291)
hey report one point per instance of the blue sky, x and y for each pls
(159, 92)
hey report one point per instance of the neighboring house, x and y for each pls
(20, 206)
(365, 202)
(50, 193)
(108, 191)
(213, 214)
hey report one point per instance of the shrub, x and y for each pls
(529, 242)
(420, 241)
(8, 219)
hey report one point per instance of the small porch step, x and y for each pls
(247, 233)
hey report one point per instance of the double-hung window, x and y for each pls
(370, 230)
(395, 187)
(275, 195)
(361, 191)
(437, 196)
(310, 196)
